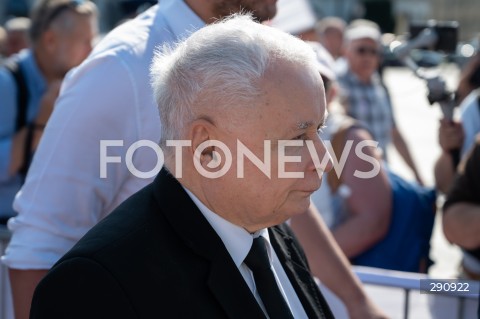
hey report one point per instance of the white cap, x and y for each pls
(294, 16)
(363, 31)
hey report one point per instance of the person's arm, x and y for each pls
(23, 283)
(444, 172)
(20, 139)
(330, 265)
(64, 194)
(461, 212)
(17, 149)
(369, 203)
(450, 136)
(12, 144)
(8, 136)
(402, 148)
(464, 84)
(45, 111)
(461, 224)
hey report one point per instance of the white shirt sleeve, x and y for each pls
(470, 117)
(64, 195)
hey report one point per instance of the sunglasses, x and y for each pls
(367, 51)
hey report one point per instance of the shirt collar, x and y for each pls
(236, 239)
(181, 20)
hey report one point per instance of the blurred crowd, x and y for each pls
(49, 204)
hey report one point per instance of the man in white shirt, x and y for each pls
(109, 98)
(201, 238)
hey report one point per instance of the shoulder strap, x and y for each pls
(22, 104)
(22, 93)
(338, 141)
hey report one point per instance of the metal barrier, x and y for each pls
(409, 282)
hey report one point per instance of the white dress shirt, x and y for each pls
(470, 118)
(238, 242)
(108, 97)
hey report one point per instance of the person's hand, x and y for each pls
(47, 102)
(450, 135)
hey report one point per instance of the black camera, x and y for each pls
(446, 31)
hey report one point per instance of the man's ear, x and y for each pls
(201, 131)
(49, 40)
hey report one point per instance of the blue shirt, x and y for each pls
(36, 84)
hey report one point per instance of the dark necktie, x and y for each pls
(258, 262)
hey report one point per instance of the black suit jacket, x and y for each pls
(156, 256)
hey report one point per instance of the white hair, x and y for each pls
(219, 66)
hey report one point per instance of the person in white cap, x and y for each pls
(364, 95)
(330, 32)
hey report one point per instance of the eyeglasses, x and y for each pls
(367, 51)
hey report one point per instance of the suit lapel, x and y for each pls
(225, 281)
(307, 290)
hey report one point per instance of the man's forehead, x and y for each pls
(363, 41)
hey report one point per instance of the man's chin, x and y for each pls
(300, 207)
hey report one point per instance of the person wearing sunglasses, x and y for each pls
(363, 93)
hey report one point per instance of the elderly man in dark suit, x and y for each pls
(206, 239)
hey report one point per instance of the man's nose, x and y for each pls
(326, 164)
